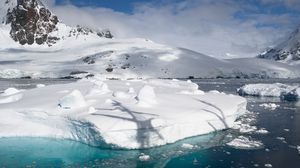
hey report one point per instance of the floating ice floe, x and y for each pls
(243, 142)
(104, 120)
(269, 106)
(262, 131)
(286, 92)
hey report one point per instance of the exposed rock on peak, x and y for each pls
(79, 30)
(31, 23)
(288, 51)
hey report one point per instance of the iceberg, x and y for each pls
(286, 92)
(156, 112)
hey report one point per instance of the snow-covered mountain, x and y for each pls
(287, 52)
(36, 45)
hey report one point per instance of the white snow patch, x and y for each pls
(121, 95)
(131, 90)
(40, 85)
(72, 100)
(11, 99)
(10, 91)
(146, 97)
(99, 88)
(168, 58)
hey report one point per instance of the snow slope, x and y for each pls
(123, 114)
(129, 58)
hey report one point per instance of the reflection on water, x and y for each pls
(208, 150)
(43, 152)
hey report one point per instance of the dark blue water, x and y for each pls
(210, 151)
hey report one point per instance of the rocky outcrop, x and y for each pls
(31, 23)
(288, 51)
(79, 30)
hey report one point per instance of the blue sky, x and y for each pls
(119, 5)
(220, 28)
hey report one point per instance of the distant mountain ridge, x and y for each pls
(32, 23)
(287, 51)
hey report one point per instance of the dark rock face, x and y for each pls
(79, 30)
(31, 23)
(289, 49)
(280, 55)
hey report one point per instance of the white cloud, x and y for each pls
(208, 26)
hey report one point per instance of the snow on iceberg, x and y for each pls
(10, 91)
(72, 100)
(243, 142)
(146, 96)
(286, 92)
(106, 121)
(10, 99)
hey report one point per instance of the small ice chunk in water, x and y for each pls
(144, 157)
(72, 100)
(298, 148)
(187, 146)
(146, 96)
(268, 165)
(262, 131)
(282, 139)
(269, 106)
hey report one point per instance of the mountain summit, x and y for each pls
(288, 51)
(31, 22)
